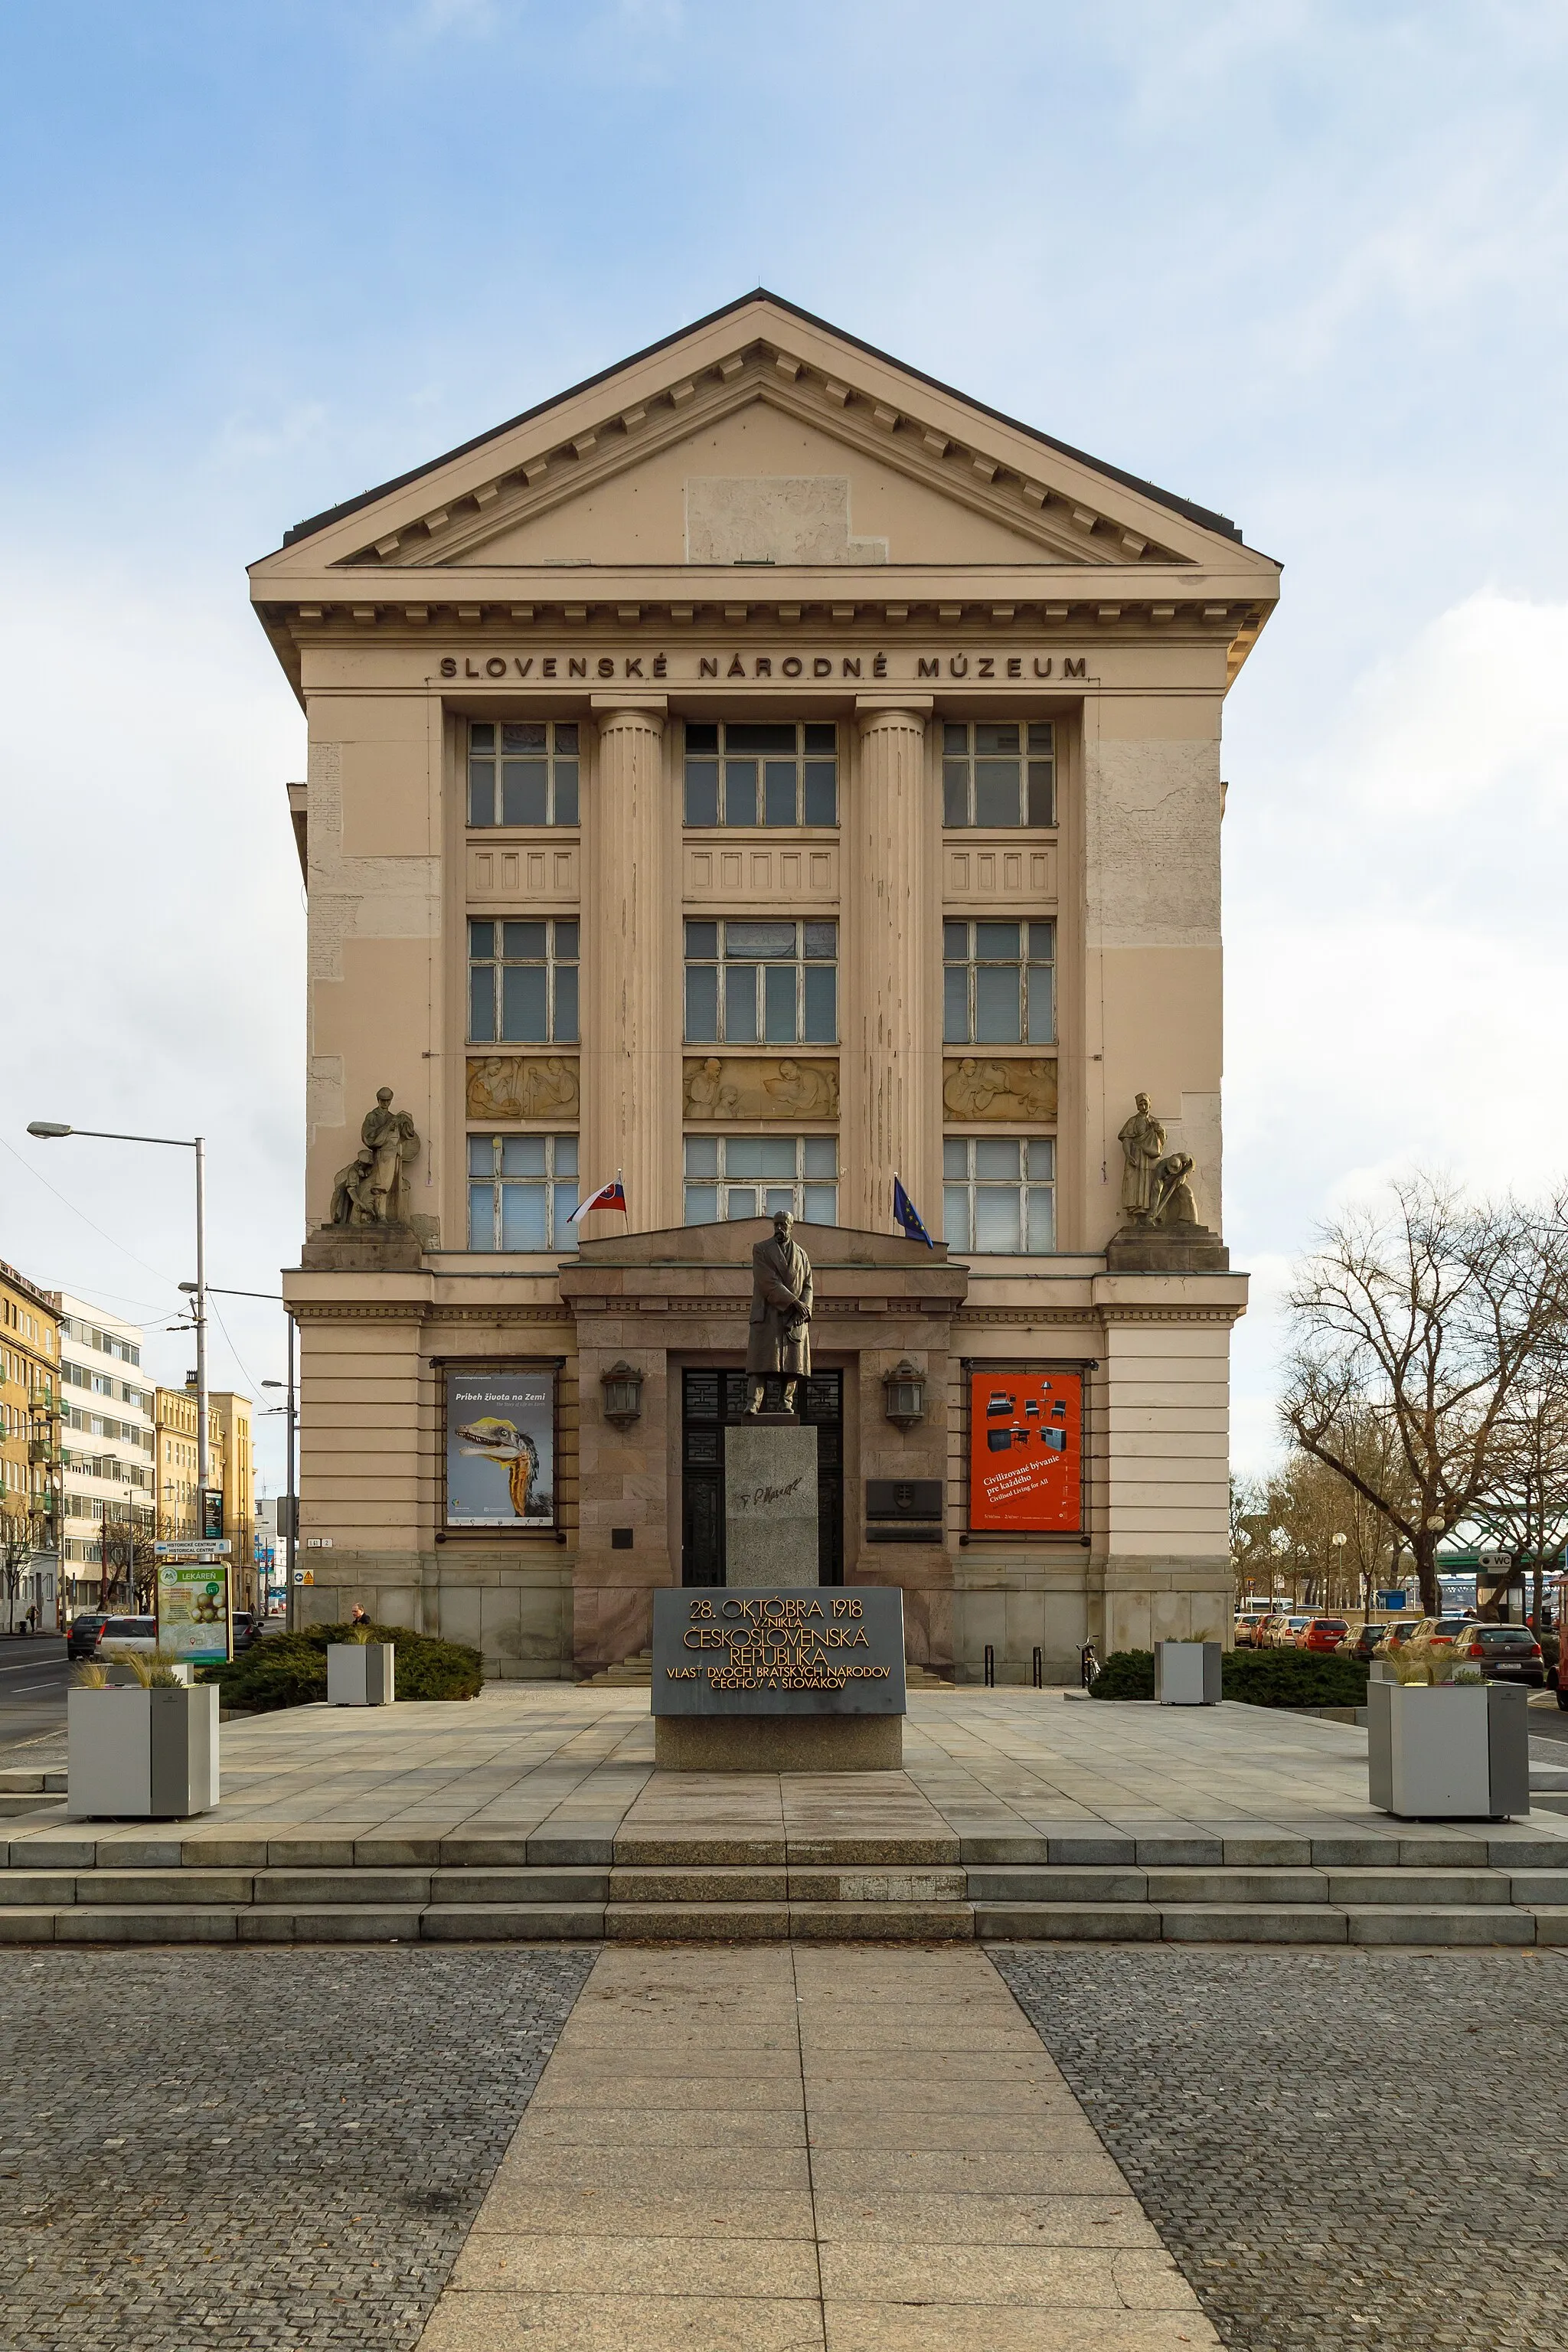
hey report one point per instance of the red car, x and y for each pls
(1321, 1633)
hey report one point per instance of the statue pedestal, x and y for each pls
(1166, 1249)
(769, 1681)
(770, 1502)
(363, 1249)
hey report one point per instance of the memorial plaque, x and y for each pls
(770, 1506)
(819, 1650)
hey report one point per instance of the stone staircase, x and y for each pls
(29, 1791)
(634, 1673)
(68, 1884)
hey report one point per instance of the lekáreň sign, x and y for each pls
(807, 1650)
(193, 1608)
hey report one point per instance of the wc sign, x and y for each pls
(1025, 1435)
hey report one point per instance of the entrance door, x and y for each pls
(711, 1401)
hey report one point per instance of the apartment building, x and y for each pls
(108, 1450)
(29, 1448)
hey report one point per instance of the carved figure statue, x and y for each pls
(708, 1094)
(778, 1338)
(1142, 1141)
(373, 1188)
(809, 1092)
(1171, 1195)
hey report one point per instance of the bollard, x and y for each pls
(1039, 1669)
(990, 1667)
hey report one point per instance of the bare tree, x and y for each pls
(127, 1549)
(22, 1533)
(1425, 1317)
(1525, 1508)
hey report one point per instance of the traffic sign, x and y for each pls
(194, 1547)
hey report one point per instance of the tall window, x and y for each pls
(995, 771)
(521, 1191)
(731, 1176)
(998, 984)
(522, 984)
(999, 1193)
(762, 983)
(523, 772)
(782, 774)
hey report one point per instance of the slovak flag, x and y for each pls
(905, 1214)
(608, 1196)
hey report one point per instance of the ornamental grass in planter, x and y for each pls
(144, 1749)
(1442, 1743)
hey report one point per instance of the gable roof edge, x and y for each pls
(1205, 517)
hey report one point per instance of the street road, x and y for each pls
(34, 1678)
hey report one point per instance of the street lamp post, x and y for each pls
(49, 1130)
(1338, 1542)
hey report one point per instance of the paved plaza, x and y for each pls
(783, 2149)
(572, 1767)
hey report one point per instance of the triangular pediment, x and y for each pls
(759, 435)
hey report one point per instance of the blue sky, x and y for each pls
(1301, 262)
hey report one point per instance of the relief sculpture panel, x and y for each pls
(523, 1086)
(976, 1089)
(782, 1088)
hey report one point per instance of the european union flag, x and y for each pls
(905, 1214)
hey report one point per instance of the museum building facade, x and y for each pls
(754, 776)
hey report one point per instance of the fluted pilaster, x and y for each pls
(891, 951)
(631, 974)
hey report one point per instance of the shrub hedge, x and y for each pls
(1297, 1678)
(291, 1669)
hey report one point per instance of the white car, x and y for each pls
(121, 1633)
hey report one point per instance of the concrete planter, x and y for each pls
(361, 1673)
(139, 1754)
(1187, 1674)
(1456, 1751)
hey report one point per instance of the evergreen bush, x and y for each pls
(1286, 1678)
(291, 1669)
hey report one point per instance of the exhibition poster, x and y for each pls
(1026, 1445)
(500, 1448)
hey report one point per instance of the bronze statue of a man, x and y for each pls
(779, 1339)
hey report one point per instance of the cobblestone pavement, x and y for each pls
(228, 2148)
(1360, 2149)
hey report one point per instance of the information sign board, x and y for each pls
(193, 1547)
(1025, 1437)
(194, 1618)
(806, 1650)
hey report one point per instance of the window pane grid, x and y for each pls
(999, 773)
(998, 984)
(998, 1194)
(523, 772)
(733, 1176)
(522, 984)
(785, 773)
(522, 1190)
(750, 983)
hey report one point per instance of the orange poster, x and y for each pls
(1025, 1432)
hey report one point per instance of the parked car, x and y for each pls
(1286, 1631)
(82, 1634)
(1505, 1654)
(246, 1631)
(1403, 1630)
(1246, 1624)
(1448, 1629)
(126, 1633)
(1362, 1642)
(1321, 1633)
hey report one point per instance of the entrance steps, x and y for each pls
(66, 1883)
(29, 1791)
(629, 1673)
